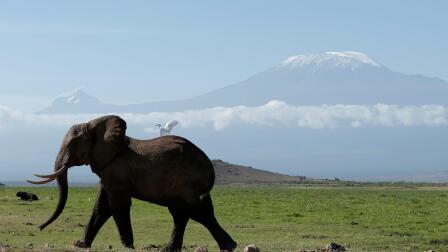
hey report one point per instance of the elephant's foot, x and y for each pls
(80, 244)
(171, 248)
(229, 247)
(129, 246)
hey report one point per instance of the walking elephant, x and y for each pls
(169, 171)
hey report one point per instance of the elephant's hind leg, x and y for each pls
(203, 213)
(180, 218)
(101, 213)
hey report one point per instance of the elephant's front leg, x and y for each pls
(120, 206)
(101, 213)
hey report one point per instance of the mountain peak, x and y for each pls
(76, 101)
(75, 97)
(328, 60)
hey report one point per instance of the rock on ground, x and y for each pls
(332, 247)
(251, 248)
(4, 247)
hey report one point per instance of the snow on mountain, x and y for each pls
(314, 79)
(77, 102)
(76, 97)
(349, 60)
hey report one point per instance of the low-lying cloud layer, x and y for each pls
(272, 113)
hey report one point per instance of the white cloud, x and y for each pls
(272, 113)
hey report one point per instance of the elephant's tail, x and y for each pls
(211, 183)
(204, 196)
(212, 177)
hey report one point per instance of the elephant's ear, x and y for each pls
(110, 140)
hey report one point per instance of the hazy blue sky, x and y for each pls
(132, 51)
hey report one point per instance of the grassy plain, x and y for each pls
(276, 218)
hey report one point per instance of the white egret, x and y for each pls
(166, 130)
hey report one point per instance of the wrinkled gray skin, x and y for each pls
(169, 171)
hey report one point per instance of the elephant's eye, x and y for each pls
(77, 133)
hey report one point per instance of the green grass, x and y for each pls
(276, 218)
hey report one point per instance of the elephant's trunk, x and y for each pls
(63, 192)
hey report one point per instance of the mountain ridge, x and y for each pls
(228, 173)
(314, 79)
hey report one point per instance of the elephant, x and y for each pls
(169, 171)
(27, 196)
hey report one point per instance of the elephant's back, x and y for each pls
(176, 166)
(169, 147)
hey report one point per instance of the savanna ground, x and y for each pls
(276, 218)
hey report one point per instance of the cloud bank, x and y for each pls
(270, 114)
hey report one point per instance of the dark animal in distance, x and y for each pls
(169, 171)
(27, 196)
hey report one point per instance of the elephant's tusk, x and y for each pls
(53, 175)
(41, 182)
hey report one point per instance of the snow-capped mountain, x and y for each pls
(332, 78)
(77, 102)
(314, 79)
(329, 60)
